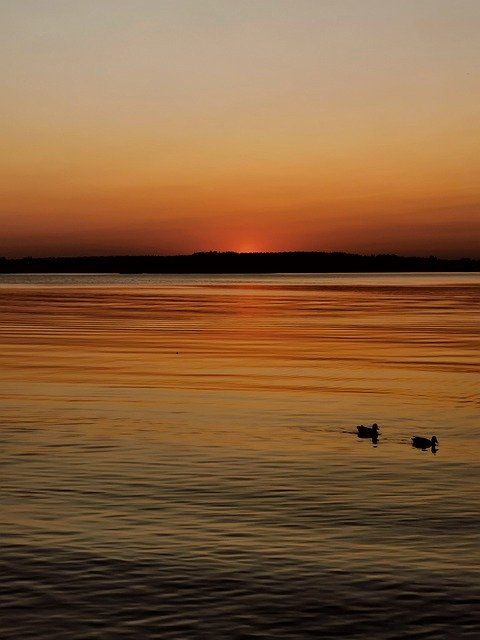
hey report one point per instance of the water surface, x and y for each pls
(180, 459)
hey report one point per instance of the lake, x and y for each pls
(180, 456)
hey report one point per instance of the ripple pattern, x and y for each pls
(180, 458)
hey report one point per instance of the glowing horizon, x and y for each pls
(170, 127)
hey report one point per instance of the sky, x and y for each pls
(174, 126)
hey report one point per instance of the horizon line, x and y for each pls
(212, 252)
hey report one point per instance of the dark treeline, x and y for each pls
(231, 262)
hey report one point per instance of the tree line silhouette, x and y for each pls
(232, 262)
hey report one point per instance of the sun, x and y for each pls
(247, 247)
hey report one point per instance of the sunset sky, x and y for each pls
(173, 126)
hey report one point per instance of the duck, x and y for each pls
(368, 432)
(421, 442)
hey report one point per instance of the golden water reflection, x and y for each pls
(251, 364)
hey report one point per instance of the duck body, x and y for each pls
(368, 432)
(421, 442)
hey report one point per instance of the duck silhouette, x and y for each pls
(368, 432)
(419, 442)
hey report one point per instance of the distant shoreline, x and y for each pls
(214, 262)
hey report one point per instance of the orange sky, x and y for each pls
(172, 126)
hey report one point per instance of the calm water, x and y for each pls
(180, 459)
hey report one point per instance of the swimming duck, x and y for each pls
(368, 432)
(424, 443)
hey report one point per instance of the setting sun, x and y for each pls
(248, 247)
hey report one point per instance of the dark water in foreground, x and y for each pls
(179, 457)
